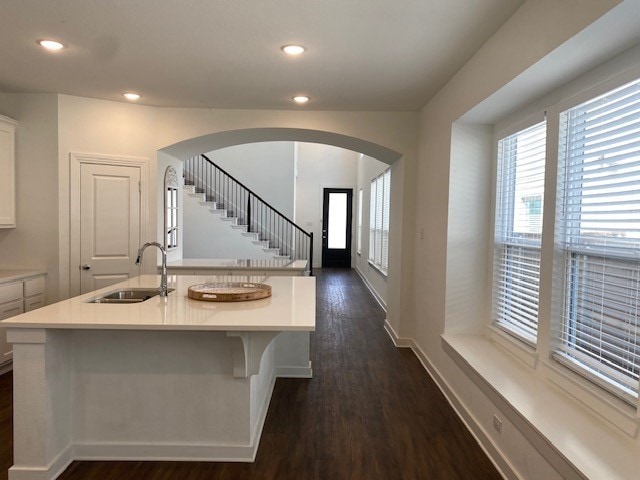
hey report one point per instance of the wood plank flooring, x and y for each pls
(370, 412)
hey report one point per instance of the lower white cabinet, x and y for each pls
(18, 295)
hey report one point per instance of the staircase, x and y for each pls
(246, 211)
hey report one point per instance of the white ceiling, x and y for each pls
(362, 54)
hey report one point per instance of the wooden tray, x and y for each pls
(229, 291)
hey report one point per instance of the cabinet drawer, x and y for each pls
(10, 292)
(34, 286)
(10, 309)
(34, 302)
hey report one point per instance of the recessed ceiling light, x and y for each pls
(293, 49)
(131, 95)
(300, 99)
(51, 45)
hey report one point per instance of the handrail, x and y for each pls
(260, 217)
(253, 193)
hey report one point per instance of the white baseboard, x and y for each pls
(52, 471)
(108, 451)
(496, 457)
(397, 341)
(294, 372)
(378, 298)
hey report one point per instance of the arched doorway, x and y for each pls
(184, 149)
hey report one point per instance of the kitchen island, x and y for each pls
(225, 266)
(167, 379)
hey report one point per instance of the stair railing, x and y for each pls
(250, 209)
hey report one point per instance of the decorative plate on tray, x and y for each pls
(229, 291)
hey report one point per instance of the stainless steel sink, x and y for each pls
(131, 295)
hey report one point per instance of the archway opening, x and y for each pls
(377, 281)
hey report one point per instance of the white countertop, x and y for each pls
(12, 275)
(238, 264)
(291, 307)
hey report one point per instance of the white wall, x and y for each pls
(267, 168)
(319, 167)
(469, 229)
(368, 169)
(34, 241)
(114, 128)
(206, 235)
(103, 128)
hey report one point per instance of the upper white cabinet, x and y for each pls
(7, 172)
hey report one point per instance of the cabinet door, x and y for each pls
(7, 173)
(7, 310)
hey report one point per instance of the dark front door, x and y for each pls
(336, 227)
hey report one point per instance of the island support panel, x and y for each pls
(134, 395)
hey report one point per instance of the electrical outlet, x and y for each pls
(497, 424)
(422, 234)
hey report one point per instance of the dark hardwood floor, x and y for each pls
(370, 412)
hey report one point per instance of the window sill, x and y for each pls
(598, 399)
(568, 429)
(520, 349)
(377, 268)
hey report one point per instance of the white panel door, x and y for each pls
(109, 224)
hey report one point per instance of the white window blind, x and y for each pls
(378, 226)
(379, 220)
(386, 203)
(359, 232)
(598, 229)
(372, 221)
(518, 231)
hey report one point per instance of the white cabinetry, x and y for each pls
(18, 294)
(7, 172)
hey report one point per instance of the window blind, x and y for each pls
(386, 204)
(518, 231)
(372, 221)
(359, 240)
(379, 220)
(379, 215)
(598, 229)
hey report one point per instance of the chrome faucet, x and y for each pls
(163, 278)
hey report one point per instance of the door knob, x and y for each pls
(86, 266)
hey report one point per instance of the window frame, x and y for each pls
(171, 208)
(587, 390)
(567, 253)
(511, 328)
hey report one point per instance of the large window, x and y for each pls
(598, 234)
(379, 221)
(518, 231)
